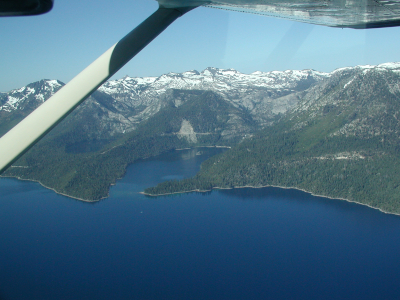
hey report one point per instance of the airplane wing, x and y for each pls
(358, 14)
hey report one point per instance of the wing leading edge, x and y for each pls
(359, 14)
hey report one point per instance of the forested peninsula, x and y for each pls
(366, 173)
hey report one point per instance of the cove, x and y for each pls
(266, 243)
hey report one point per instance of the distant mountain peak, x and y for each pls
(31, 95)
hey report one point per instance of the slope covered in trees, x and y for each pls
(341, 141)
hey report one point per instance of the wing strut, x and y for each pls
(30, 130)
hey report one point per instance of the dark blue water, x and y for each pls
(229, 244)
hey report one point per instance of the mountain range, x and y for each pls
(284, 129)
(123, 104)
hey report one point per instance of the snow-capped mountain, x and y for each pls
(244, 90)
(227, 81)
(31, 95)
(123, 104)
(261, 93)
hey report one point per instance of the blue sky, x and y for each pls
(58, 45)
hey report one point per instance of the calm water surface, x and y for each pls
(264, 243)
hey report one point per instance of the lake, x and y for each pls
(266, 243)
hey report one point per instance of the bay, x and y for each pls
(266, 243)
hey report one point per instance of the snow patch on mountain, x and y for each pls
(348, 83)
(53, 84)
(390, 65)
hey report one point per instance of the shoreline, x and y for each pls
(55, 191)
(205, 191)
(274, 186)
(200, 191)
(112, 184)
